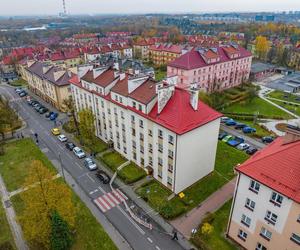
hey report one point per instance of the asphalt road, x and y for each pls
(137, 236)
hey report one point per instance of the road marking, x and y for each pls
(150, 240)
(109, 200)
(157, 247)
(90, 177)
(94, 191)
(61, 147)
(78, 165)
(70, 156)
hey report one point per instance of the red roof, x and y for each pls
(102, 80)
(167, 47)
(193, 59)
(144, 93)
(278, 167)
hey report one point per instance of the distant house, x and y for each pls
(289, 83)
(260, 71)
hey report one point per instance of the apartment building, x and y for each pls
(162, 54)
(161, 128)
(141, 48)
(49, 82)
(212, 69)
(265, 212)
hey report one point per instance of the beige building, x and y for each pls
(49, 82)
(265, 212)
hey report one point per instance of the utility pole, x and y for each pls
(62, 167)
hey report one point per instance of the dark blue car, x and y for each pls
(231, 122)
(235, 141)
(248, 130)
(53, 116)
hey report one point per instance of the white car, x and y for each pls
(62, 138)
(90, 164)
(243, 146)
(78, 152)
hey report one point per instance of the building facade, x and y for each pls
(49, 82)
(265, 212)
(155, 125)
(212, 69)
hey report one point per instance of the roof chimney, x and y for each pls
(164, 94)
(194, 96)
(292, 134)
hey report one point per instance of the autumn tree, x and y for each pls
(44, 195)
(206, 229)
(262, 47)
(87, 125)
(70, 108)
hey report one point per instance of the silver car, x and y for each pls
(243, 146)
(90, 164)
(78, 152)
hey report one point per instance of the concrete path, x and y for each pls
(11, 217)
(186, 223)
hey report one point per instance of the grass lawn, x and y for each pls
(260, 131)
(292, 108)
(18, 154)
(113, 160)
(6, 237)
(227, 158)
(97, 146)
(131, 173)
(159, 74)
(16, 160)
(256, 105)
(18, 83)
(280, 95)
(216, 240)
(89, 233)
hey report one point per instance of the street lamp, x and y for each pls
(62, 167)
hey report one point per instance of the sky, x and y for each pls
(50, 7)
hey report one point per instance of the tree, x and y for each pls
(70, 106)
(262, 47)
(61, 236)
(206, 229)
(44, 195)
(87, 124)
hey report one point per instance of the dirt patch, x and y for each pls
(281, 127)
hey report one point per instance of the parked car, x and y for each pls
(38, 107)
(78, 152)
(48, 114)
(23, 93)
(55, 131)
(102, 176)
(18, 90)
(227, 138)
(251, 150)
(267, 139)
(235, 141)
(224, 119)
(231, 122)
(53, 116)
(70, 146)
(62, 138)
(43, 110)
(240, 126)
(222, 135)
(90, 164)
(34, 103)
(249, 130)
(243, 146)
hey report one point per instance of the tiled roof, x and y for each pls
(121, 87)
(278, 167)
(167, 48)
(144, 93)
(102, 80)
(194, 60)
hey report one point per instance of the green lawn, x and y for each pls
(280, 95)
(6, 237)
(227, 158)
(18, 83)
(113, 160)
(18, 154)
(292, 108)
(257, 105)
(131, 173)
(260, 131)
(97, 146)
(16, 160)
(159, 74)
(216, 240)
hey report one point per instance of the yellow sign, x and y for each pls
(181, 195)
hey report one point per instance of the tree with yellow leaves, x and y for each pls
(262, 47)
(44, 196)
(206, 229)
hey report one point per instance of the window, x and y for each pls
(160, 161)
(170, 168)
(295, 238)
(276, 199)
(170, 181)
(266, 234)
(159, 173)
(141, 124)
(160, 148)
(140, 107)
(134, 155)
(250, 204)
(271, 217)
(133, 132)
(171, 139)
(125, 150)
(242, 235)
(108, 111)
(134, 104)
(160, 134)
(123, 126)
(132, 119)
(141, 149)
(150, 132)
(246, 220)
(150, 147)
(298, 218)
(170, 154)
(150, 161)
(122, 114)
(254, 186)
(133, 144)
(259, 246)
(141, 136)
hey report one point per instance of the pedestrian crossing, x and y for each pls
(110, 200)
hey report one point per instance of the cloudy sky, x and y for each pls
(28, 7)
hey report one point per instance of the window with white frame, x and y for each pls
(242, 235)
(171, 139)
(160, 133)
(246, 220)
(160, 161)
(254, 186)
(142, 149)
(250, 204)
(160, 147)
(141, 124)
(170, 154)
(141, 136)
(265, 233)
(295, 238)
(276, 198)
(170, 168)
(170, 181)
(132, 118)
(150, 161)
(150, 132)
(260, 246)
(150, 147)
(271, 217)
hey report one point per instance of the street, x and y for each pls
(137, 236)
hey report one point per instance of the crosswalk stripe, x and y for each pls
(107, 199)
(100, 206)
(121, 193)
(103, 202)
(113, 198)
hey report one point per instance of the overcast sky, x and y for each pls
(28, 7)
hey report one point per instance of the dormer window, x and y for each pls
(134, 104)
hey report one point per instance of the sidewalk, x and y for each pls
(186, 223)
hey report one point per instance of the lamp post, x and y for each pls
(62, 167)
